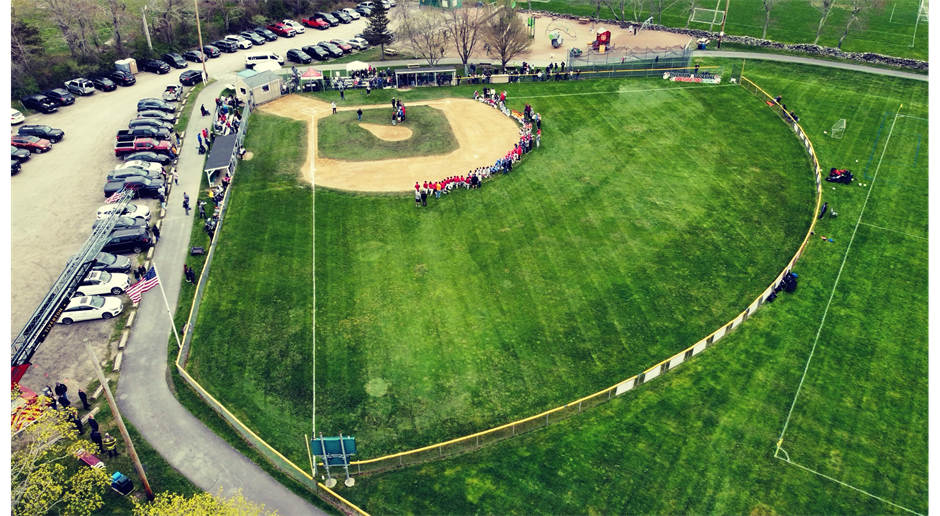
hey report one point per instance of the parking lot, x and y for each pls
(55, 196)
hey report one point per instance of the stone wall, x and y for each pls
(863, 57)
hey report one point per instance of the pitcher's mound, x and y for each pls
(391, 133)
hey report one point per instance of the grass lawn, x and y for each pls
(701, 440)
(497, 304)
(888, 29)
(340, 136)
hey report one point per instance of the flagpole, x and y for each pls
(167, 303)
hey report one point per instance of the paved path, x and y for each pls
(810, 61)
(143, 394)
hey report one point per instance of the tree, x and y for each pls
(118, 15)
(659, 6)
(41, 483)
(200, 504)
(226, 11)
(855, 9)
(377, 31)
(466, 30)
(768, 5)
(824, 7)
(428, 35)
(505, 33)
(61, 13)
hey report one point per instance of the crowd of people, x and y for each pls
(530, 135)
(790, 115)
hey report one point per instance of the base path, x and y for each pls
(483, 135)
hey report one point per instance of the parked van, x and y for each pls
(261, 57)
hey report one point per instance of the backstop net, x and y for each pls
(632, 62)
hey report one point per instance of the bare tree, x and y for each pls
(88, 15)
(118, 15)
(25, 45)
(505, 33)
(855, 10)
(62, 15)
(658, 6)
(226, 10)
(691, 9)
(428, 35)
(824, 7)
(466, 30)
(768, 5)
(169, 13)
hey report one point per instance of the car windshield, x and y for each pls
(131, 208)
(105, 277)
(30, 139)
(106, 258)
(96, 301)
(127, 221)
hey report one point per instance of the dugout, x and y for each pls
(408, 77)
(222, 157)
(633, 62)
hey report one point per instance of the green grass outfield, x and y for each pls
(701, 440)
(339, 136)
(494, 305)
(887, 30)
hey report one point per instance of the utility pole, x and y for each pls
(143, 16)
(205, 74)
(120, 422)
(723, 20)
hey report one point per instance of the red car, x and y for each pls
(345, 47)
(316, 24)
(282, 30)
(31, 143)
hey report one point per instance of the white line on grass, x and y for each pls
(313, 213)
(788, 461)
(823, 322)
(894, 230)
(622, 91)
(914, 117)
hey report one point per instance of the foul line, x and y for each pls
(313, 214)
(623, 91)
(788, 461)
(894, 230)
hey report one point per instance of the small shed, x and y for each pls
(405, 77)
(222, 156)
(258, 87)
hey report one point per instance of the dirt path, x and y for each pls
(483, 135)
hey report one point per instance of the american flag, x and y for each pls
(146, 283)
(115, 197)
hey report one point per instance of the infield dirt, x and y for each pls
(483, 135)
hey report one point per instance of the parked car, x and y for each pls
(125, 173)
(103, 84)
(315, 23)
(298, 56)
(358, 43)
(239, 41)
(342, 16)
(80, 86)
(332, 49)
(316, 52)
(31, 143)
(225, 46)
(282, 30)
(159, 115)
(150, 156)
(392, 3)
(386, 4)
(195, 56)
(175, 60)
(158, 104)
(124, 222)
(40, 103)
(15, 166)
(112, 263)
(125, 146)
(254, 38)
(101, 282)
(364, 11)
(16, 117)
(147, 167)
(345, 47)
(19, 154)
(149, 122)
(172, 93)
(131, 134)
(142, 186)
(131, 210)
(191, 77)
(297, 26)
(131, 240)
(123, 78)
(88, 308)
(211, 51)
(351, 13)
(266, 34)
(327, 17)
(153, 65)
(42, 131)
(60, 96)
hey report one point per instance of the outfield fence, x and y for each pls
(477, 440)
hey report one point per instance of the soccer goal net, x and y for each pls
(710, 16)
(924, 12)
(838, 129)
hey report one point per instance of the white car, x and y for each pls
(241, 41)
(358, 43)
(87, 308)
(16, 117)
(100, 282)
(131, 210)
(352, 13)
(297, 26)
(149, 166)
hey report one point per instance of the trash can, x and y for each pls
(701, 46)
(121, 484)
